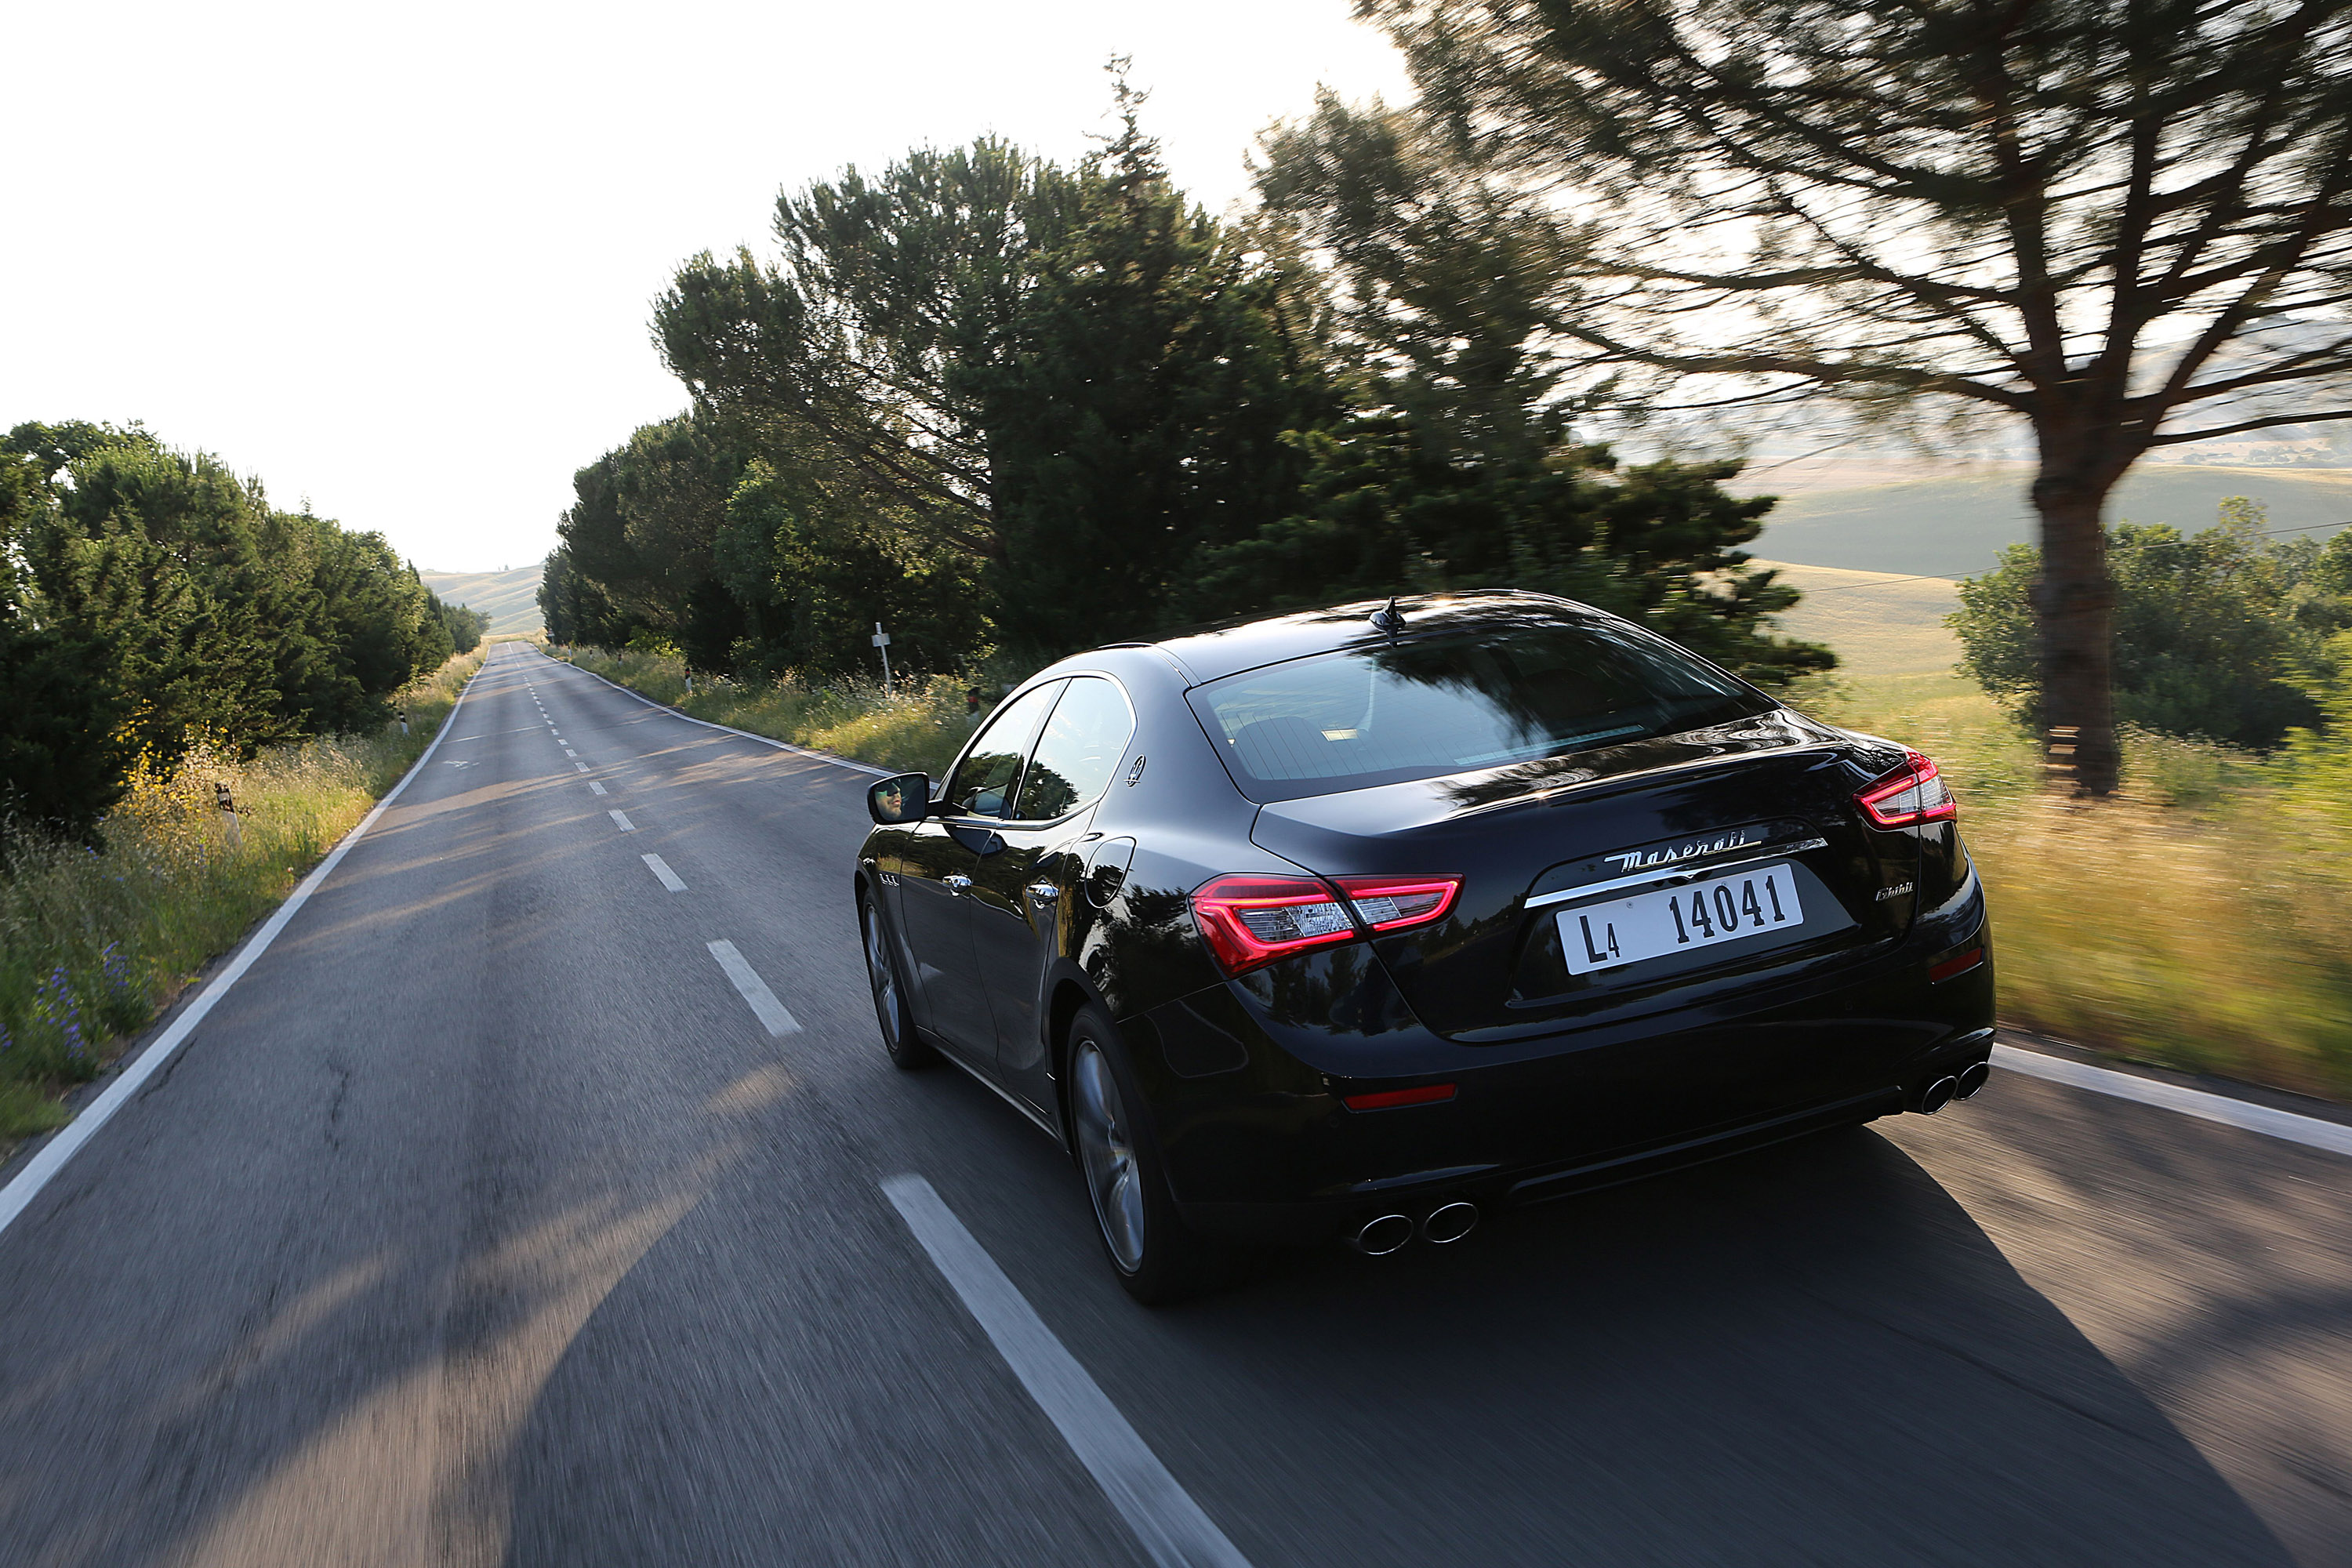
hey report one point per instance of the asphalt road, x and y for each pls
(483, 1221)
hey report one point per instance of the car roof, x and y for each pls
(1218, 651)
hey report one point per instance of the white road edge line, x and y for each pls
(2308, 1131)
(660, 867)
(38, 1170)
(771, 1013)
(621, 820)
(727, 729)
(1172, 1529)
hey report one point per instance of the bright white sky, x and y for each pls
(400, 259)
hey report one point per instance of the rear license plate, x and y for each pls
(1676, 919)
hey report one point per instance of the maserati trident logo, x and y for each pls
(1697, 849)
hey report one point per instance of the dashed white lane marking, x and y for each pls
(764, 1005)
(574, 755)
(582, 767)
(2308, 1131)
(621, 820)
(595, 788)
(660, 867)
(1171, 1526)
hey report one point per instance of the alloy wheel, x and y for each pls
(1106, 1153)
(885, 977)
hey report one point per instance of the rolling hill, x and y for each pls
(510, 598)
(1952, 521)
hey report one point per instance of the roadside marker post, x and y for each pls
(882, 641)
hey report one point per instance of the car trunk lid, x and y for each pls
(1770, 797)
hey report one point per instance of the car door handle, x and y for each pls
(957, 884)
(1044, 892)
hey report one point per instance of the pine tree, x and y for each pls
(1144, 414)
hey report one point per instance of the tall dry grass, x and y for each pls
(2201, 918)
(94, 939)
(920, 725)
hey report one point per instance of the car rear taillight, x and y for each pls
(1250, 920)
(1912, 794)
(1392, 903)
(1253, 921)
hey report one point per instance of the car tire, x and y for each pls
(905, 1051)
(1156, 1256)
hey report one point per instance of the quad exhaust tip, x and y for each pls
(1381, 1237)
(1938, 1095)
(1972, 1078)
(1449, 1222)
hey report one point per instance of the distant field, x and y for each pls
(510, 598)
(1952, 519)
(1881, 623)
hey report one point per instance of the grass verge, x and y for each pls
(2201, 918)
(94, 942)
(918, 726)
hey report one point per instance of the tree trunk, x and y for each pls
(2074, 605)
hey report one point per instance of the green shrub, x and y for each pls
(2219, 635)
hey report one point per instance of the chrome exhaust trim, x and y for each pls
(1449, 1222)
(1972, 1078)
(1937, 1096)
(1381, 1237)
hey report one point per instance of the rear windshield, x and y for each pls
(1454, 704)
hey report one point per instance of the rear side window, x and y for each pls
(982, 785)
(1079, 752)
(1453, 704)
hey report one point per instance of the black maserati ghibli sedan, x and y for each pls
(1360, 922)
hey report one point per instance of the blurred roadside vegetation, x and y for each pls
(918, 726)
(97, 937)
(2200, 918)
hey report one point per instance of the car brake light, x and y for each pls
(1248, 921)
(1392, 903)
(1912, 794)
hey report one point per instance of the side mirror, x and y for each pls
(894, 801)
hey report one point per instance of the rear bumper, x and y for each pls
(1248, 1104)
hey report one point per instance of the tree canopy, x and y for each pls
(1011, 410)
(2128, 226)
(149, 598)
